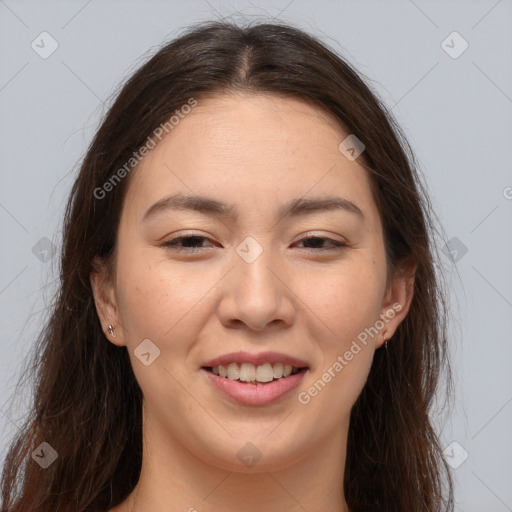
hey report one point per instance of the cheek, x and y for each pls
(348, 305)
(167, 305)
(347, 299)
(332, 392)
(347, 302)
(157, 299)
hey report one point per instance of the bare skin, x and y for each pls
(305, 298)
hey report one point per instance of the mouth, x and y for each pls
(255, 379)
(261, 368)
(247, 373)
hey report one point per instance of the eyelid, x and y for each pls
(170, 243)
(335, 244)
(320, 234)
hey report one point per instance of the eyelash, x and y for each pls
(172, 244)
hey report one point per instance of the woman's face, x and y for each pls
(270, 267)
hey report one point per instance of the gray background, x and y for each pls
(456, 112)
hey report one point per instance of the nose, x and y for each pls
(257, 295)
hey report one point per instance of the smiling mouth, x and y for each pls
(247, 373)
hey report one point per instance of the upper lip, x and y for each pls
(255, 359)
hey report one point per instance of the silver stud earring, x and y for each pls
(110, 330)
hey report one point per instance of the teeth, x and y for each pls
(247, 372)
(264, 373)
(233, 371)
(278, 370)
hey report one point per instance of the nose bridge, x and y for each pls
(253, 272)
(257, 294)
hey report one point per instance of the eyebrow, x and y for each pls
(210, 206)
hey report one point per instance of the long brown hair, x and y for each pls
(87, 404)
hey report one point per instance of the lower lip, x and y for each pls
(255, 394)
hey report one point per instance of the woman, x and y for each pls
(249, 316)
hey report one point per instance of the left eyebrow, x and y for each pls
(210, 206)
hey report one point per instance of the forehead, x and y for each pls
(252, 150)
(248, 122)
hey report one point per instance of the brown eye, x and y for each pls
(185, 243)
(316, 242)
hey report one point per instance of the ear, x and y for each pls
(105, 301)
(396, 303)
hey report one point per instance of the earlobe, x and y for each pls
(105, 302)
(396, 305)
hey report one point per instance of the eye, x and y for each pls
(317, 241)
(192, 243)
(185, 243)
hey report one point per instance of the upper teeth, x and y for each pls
(247, 372)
